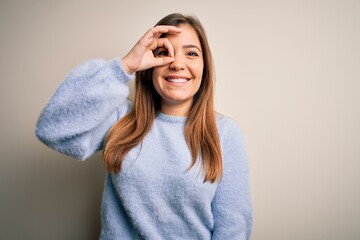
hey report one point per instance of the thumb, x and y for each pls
(163, 61)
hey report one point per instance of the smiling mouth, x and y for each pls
(177, 80)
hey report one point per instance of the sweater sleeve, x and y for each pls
(232, 207)
(84, 107)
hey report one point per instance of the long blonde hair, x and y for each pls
(200, 128)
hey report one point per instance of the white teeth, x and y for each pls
(177, 80)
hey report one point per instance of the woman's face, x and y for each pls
(178, 82)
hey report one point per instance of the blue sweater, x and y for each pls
(153, 197)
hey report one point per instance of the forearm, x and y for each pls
(84, 107)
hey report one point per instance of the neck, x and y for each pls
(176, 109)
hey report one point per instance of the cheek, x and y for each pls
(199, 70)
(155, 78)
(199, 75)
(158, 72)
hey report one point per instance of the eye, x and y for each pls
(162, 53)
(193, 54)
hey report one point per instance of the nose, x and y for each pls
(178, 64)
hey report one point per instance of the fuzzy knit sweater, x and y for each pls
(153, 197)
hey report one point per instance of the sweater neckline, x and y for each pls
(171, 118)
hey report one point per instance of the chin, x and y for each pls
(176, 99)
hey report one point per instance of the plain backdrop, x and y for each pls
(287, 71)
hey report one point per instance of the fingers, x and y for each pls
(163, 60)
(156, 32)
(141, 55)
(164, 42)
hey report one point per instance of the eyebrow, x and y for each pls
(192, 46)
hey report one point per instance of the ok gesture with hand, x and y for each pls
(141, 56)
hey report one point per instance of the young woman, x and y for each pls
(176, 169)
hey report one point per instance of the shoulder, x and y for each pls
(227, 126)
(230, 134)
(233, 147)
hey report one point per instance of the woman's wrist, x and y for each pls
(123, 63)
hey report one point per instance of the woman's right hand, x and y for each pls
(141, 56)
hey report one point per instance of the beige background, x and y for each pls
(287, 71)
